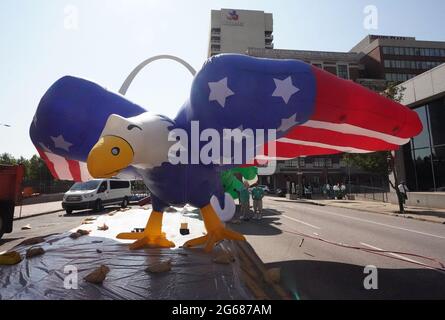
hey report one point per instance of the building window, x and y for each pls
(302, 162)
(343, 71)
(319, 162)
(407, 64)
(322, 162)
(425, 155)
(216, 30)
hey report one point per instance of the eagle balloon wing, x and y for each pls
(68, 122)
(312, 111)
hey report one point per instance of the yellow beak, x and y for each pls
(110, 155)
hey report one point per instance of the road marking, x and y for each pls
(380, 224)
(393, 254)
(302, 222)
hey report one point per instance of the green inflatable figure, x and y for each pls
(232, 179)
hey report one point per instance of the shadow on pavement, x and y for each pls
(303, 201)
(90, 212)
(421, 213)
(3, 241)
(308, 279)
(263, 227)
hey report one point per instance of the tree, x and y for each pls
(382, 163)
(35, 168)
(6, 158)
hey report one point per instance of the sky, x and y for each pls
(103, 40)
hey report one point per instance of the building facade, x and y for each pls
(374, 62)
(398, 59)
(422, 162)
(234, 31)
(345, 65)
(316, 171)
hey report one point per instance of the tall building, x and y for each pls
(234, 31)
(422, 162)
(398, 59)
(374, 62)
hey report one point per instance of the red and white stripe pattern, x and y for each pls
(65, 169)
(347, 118)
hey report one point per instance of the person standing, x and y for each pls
(257, 197)
(244, 200)
(403, 189)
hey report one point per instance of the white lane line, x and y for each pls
(380, 224)
(393, 254)
(302, 222)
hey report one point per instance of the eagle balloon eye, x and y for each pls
(115, 151)
(132, 126)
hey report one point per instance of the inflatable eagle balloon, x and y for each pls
(82, 130)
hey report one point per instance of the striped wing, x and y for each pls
(313, 112)
(68, 122)
(347, 118)
(65, 169)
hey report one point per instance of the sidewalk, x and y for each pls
(411, 212)
(30, 210)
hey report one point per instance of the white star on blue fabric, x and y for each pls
(60, 142)
(219, 91)
(284, 89)
(288, 123)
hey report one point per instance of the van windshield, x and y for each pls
(89, 185)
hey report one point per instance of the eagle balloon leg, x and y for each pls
(215, 231)
(152, 237)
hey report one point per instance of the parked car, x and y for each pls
(97, 193)
(281, 192)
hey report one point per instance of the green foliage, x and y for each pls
(373, 162)
(35, 168)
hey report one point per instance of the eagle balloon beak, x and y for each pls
(110, 155)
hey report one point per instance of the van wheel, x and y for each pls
(98, 206)
(69, 211)
(124, 203)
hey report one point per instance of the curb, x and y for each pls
(399, 215)
(37, 214)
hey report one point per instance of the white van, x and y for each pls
(97, 193)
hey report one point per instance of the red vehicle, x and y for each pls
(11, 177)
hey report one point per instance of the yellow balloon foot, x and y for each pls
(213, 237)
(146, 240)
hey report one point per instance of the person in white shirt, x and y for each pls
(403, 189)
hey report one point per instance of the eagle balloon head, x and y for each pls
(140, 141)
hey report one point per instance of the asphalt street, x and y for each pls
(314, 269)
(44, 225)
